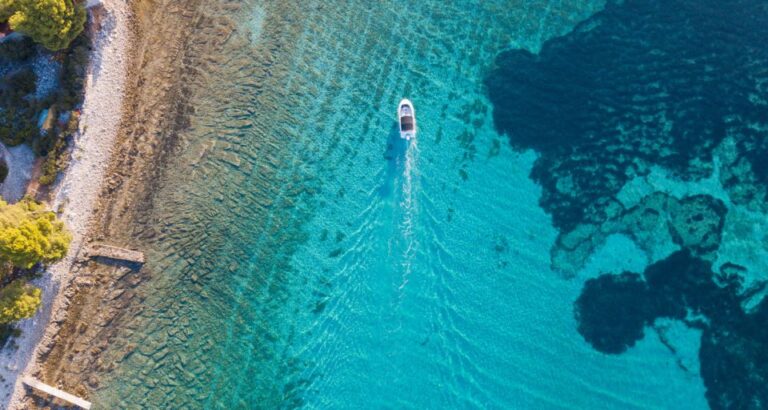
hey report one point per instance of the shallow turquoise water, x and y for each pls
(302, 256)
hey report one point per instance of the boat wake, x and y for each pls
(409, 208)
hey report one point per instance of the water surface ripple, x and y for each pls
(303, 256)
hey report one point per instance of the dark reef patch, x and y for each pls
(613, 311)
(617, 330)
(643, 83)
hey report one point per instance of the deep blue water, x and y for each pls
(567, 230)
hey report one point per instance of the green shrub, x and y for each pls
(43, 144)
(29, 234)
(5, 134)
(9, 131)
(72, 85)
(6, 333)
(21, 83)
(51, 167)
(17, 50)
(52, 23)
(3, 171)
(73, 124)
(18, 300)
(5, 9)
(18, 120)
(50, 170)
(57, 157)
(29, 132)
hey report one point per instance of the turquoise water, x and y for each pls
(302, 256)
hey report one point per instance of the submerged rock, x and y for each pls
(613, 312)
(648, 84)
(642, 84)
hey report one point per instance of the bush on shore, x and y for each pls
(55, 162)
(57, 157)
(18, 300)
(71, 89)
(52, 23)
(20, 110)
(18, 118)
(29, 234)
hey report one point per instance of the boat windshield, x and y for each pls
(406, 123)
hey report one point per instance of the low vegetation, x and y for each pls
(18, 117)
(30, 235)
(20, 50)
(52, 23)
(19, 300)
(70, 92)
(45, 119)
(21, 109)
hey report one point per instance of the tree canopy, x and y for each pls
(52, 23)
(29, 234)
(18, 301)
(5, 9)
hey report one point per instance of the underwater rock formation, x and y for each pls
(643, 83)
(613, 311)
(677, 85)
(622, 328)
(695, 222)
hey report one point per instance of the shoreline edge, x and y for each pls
(76, 195)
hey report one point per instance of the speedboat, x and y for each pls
(407, 118)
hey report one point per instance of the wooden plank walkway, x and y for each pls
(50, 390)
(113, 252)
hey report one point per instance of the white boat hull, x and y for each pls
(406, 118)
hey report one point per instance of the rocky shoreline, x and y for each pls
(98, 295)
(75, 196)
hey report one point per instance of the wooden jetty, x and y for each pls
(59, 394)
(113, 252)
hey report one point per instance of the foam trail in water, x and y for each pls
(409, 208)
